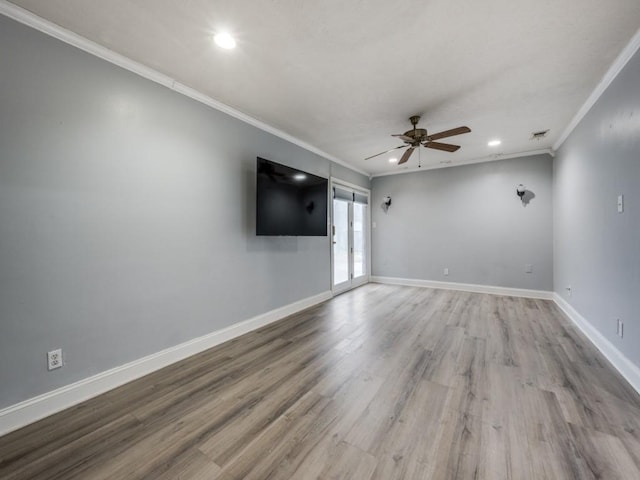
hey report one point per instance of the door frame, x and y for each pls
(351, 283)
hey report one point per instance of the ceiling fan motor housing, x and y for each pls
(418, 134)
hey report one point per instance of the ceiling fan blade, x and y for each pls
(447, 147)
(406, 156)
(450, 133)
(403, 137)
(382, 153)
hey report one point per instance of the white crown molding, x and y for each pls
(618, 64)
(465, 287)
(33, 409)
(496, 156)
(27, 18)
(620, 362)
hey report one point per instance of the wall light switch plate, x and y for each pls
(528, 268)
(620, 203)
(445, 272)
(620, 328)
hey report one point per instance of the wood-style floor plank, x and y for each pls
(380, 383)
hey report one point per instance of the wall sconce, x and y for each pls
(386, 201)
(520, 191)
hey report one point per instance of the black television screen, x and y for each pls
(289, 201)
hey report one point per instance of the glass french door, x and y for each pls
(349, 238)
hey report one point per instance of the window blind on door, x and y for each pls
(342, 194)
(360, 198)
(350, 196)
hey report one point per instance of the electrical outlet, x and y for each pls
(620, 328)
(54, 359)
(528, 268)
(445, 272)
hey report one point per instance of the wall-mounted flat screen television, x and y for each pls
(289, 201)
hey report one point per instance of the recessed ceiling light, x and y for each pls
(393, 160)
(494, 143)
(224, 40)
(299, 176)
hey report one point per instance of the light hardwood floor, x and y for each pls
(383, 382)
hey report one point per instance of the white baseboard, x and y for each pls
(465, 287)
(36, 408)
(620, 362)
(625, 367)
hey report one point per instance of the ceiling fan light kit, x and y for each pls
(417, 137)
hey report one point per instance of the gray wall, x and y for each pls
(468, 219)
(596, 249)
(343, 173)
(127, 217)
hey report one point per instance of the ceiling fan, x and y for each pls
(419, 136)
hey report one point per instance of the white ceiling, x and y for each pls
(343, 75)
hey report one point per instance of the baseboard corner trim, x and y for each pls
(33, 409)
(618, 360)
(465, 287)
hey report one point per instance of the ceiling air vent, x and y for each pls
(539, 135)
